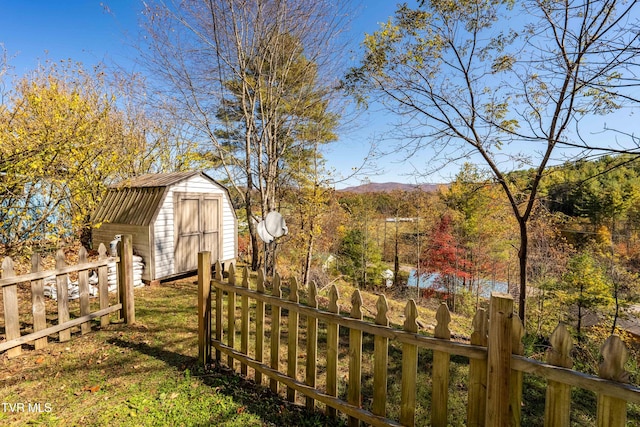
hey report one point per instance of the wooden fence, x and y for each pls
(9, 282)
(496, 364)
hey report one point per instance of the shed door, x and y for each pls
(197, 228)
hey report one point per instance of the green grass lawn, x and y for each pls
(140, 375)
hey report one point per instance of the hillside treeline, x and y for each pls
(584, 248)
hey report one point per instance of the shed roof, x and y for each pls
(135, 201)
(158, 179)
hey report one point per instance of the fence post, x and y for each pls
(125, 278)
(354, 395)
(204, 307)
(612, 412)
(10, 300)
(440, 395)
(499, 359)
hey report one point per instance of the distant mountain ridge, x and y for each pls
(387, 187)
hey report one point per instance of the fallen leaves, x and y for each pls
(90, 389)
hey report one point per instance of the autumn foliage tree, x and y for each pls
(445, 257)
(66, 133)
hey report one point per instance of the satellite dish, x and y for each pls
(262, 232)
(272, 227)
(275, 225)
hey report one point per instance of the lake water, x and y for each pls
(486, 286)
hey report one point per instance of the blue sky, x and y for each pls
(93, 31)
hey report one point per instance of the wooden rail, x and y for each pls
(496, 364)
(9, 282)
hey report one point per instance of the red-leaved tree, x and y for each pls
(444, 257)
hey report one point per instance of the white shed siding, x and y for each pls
(164, 224)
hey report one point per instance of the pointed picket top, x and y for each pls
(7, 268)
(102, 251)
(383, 307)
(480, 328)
(260, 282)
(277, 290)
(60, 259)
(356, 304)
(293, 286)
(218, 274)
(615, 355)
(313, 295)
(82, 255)
(334, 295)
(517, 332)
(411, 317)
(443, 318)
(245, 277)
(559, 354)
(232, 275)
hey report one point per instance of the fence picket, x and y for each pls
(380, 360)
(440, 372)
(332, 349)
(612, 412)
(38, 307)
(10, 300)
(231, 317)
(103, 284)
(558, 396)
(292, 334)
(478, 373)
(312, 344)
(276, 313)
(83, 287)
(219, 308)
(502, 361)
(62, 289)
(409, 367)
(244, 319)
(13, 339)
(259, 325)
(354, 393)
(515, 407)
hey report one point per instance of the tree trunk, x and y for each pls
(253, 235)
(522, 257)
(307, 262)
(86, 236)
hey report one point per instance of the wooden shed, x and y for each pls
(171, 216)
